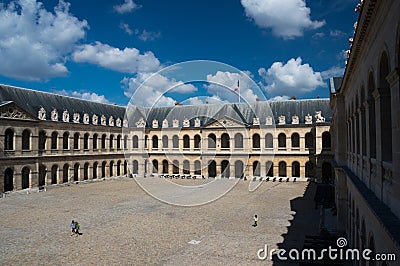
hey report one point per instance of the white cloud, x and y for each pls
(126, 28)
(128, 60)
(90, 96)
(35, 43)
(147, 35)
(286, 18)
(279, 98)
(223, 85)
(292, 78)
(336, 33)
(318, 35)
(334, 71)
(127, 7)
(205, 100)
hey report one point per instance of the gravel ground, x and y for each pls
(122, 225)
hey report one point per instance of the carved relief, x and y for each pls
(42, 114)
(197, 122)
(165, 123)
(141, 123)
(103, 120)
(111, 121)
(76, 117)
(256, 121)
(54, 115)
(155, 123)
(175, 123)
(118, 122)
(295, 120)
(186, 123)
(318, 117)
(308, 119)
(95, 119)
(268, 120)
(282, 120)
(86, 118)
(14, 113)
(65, 116)
(125, 123)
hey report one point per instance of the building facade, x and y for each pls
(366, 132)
(49, 139)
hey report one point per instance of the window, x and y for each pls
(295, 140)
(326, 140)
(225, 139)
(135, 142)
(186, 142)
(175, 142)
(186, 167)
(135, 167)
(197, 167)
(111, 142)
(42, 140)
(94, 140)
(165, 167)
(145, 141)
(256, 141)
(175, 167)
(125, 142)
(282, 140)
(165, 142)
(119, 138)
(9, 140)
(155, 166)
(295, 169)
(155, 142)
(25, 177)
(269, 141)
(66, 141)
(197, 141)
(256, 168)
(239, 141)
(54, 140)
(86, 141)
(26, 139)
(282, 169)
(270, 169)
(103, 141)
(309, 140)
(76, 141)
(212, 141)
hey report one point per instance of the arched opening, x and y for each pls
(155, 166)
(165, 142)
(225, 169)
(212, 169)
(239, 141)
(371, 112)
(145, 141)
(76, 141)
(326, 140)
(135, 142)
(9, 139)
(186, 167)
(42, 175)
(295, 140)
(175, 167)
(282, 140)
(165, 167)
(111, 168)
(363, 124)
(225, 141)
(76, 172)
(94, 140)
(135, 167)
(103, 141)
(125, 142)
(119, 138)
(154, 140)
(269, 167)
(54, 174)
(125, 167)
(239, 169)
(111, 141)
(197, 141)
(25, 177)
(186, 142)
(212, 141)
(197, 167)
(103, 169)
(86, 171)
(175, 142)
(65, 173)
(8, 180)
(65, 141)
(119, 168)
(269, 141)
(256, 168)
(256, 141)
(86, 141)
(95, 166)
(26, 140)
(282, 169)
(295, 169)
(42, 140)
(309, 139)
(386, 109)
(310, 169)
(54, 140)
(327, 172)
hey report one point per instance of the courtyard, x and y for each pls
(123, 225)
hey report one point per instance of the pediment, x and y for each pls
(224, 122)
(10, 110)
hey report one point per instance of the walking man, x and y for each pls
(255, 220)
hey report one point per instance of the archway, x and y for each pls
(310, 169)
(225, 169)
(186, 167)
(175, 167)
(65, 173)
(212, 169)
(95, 166)
(239, 169)
(25, 177)
(42, 175)
(197, 167)
(256, 168)
(270, 169)
(76, 172)
(86, 171)
(118, 168)
(225, 141)
(135, 167)
(54, 174)
(282, 169)
(8, 180)
(295, 169)
(165, 167)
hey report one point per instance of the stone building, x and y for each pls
(365, 132)
(50, 139)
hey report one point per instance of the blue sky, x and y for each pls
(103, 50)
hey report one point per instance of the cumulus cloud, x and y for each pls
(90, 96)
(205, 100)
(286, 18)
(128, 60)
(223, 85)
(126, 28)
(150, 89)
(279, 98)
(291, 78)
(126, 7)
(34, 42)
(334, 71)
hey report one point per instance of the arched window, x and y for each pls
(145, 141)
(95, 166)
(256, 168)
(65, 141)
(135, 142)
(175, 167)
(371, 111)
(269, 141)
(9, 140)
(86, 171)
(238, 141)
(212, 141)
(25, 177)
(225, 169)
(225, 141)
(197, 141)
(94, 140)
(42, 140)
(86, 141)
(282, 140)
(76, 141)
(125, 167)
(155, 166)
(76, 172)
(54, 174)
(112, 168)
(103, 141)
(165, 167)
(125, 142)
(295, 169)
(65, 173)
(385, 109)
(309, 139)
(239, 169)
(118, 168)
(54, 140)
(197, 167)
(295, 140)
(175, 142)
(270, 169)
(186, 142)
(165, 142)
(8, 180)
(256, 141)
(119, 138)
(111, 142)
(26, 139)
(103, 169)
(310, 169)
(186, 167)
(326, 140)
(212, 169)
(135, 167)
(282, 169)
(155, 142)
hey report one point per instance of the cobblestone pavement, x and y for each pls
(123, 225)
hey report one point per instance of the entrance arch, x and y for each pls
(25, 177)
(282, 169)
(225, 169)
(8, 180)
(212, 169)
(42, 175)
(239, 169)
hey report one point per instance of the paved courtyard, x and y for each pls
(121, 224)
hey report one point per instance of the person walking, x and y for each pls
(72, 225)
(255, 220)
(77, 227)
